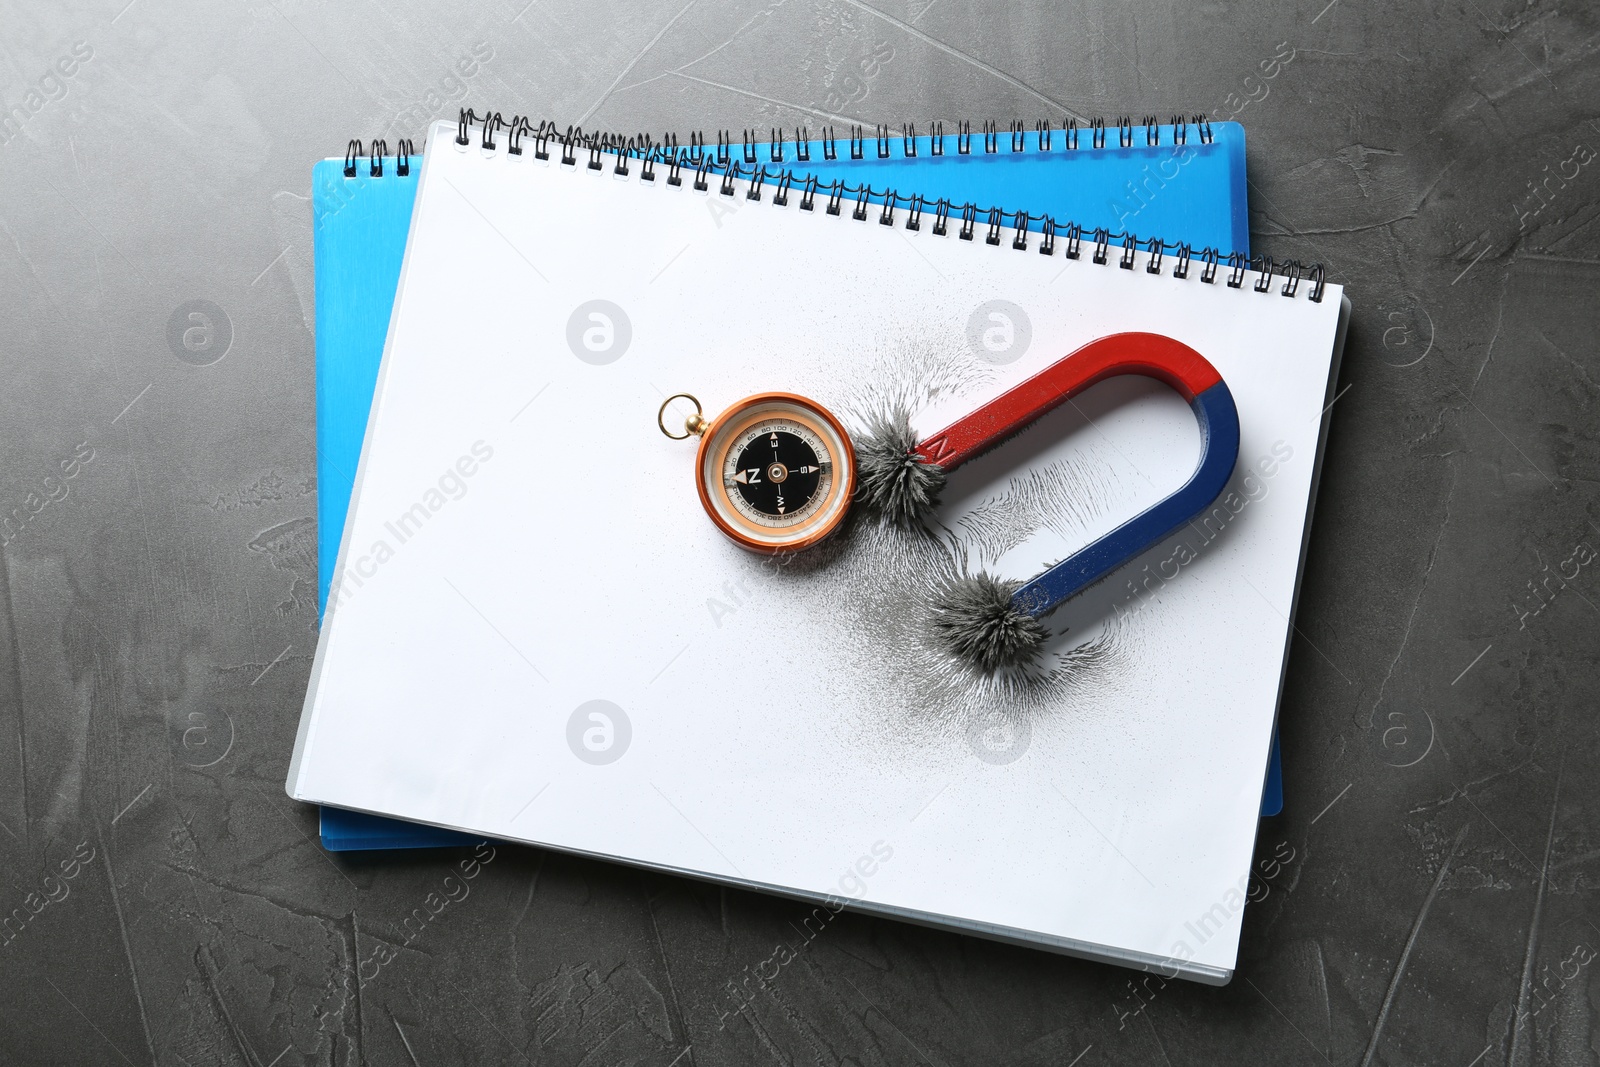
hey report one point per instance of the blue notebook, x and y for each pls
(1141, 179)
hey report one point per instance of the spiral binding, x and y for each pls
(1015, 138)
(669, 154)
(403, 152)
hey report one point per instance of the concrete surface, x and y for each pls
(1431, 887)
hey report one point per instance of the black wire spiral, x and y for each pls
(708, 164)
(404, 150)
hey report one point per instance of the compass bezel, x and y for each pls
(720, 436)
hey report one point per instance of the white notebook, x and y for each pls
(537, 634)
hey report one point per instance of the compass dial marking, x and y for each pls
(778, 472)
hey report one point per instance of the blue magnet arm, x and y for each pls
(1219, 451)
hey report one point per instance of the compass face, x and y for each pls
(776, 472)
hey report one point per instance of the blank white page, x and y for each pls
(524, 541)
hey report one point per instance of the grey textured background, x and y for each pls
(1437, 905)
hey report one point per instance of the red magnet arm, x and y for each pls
(1148, 354)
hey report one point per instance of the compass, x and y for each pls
(775, 471)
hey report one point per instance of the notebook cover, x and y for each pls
(360, 233)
